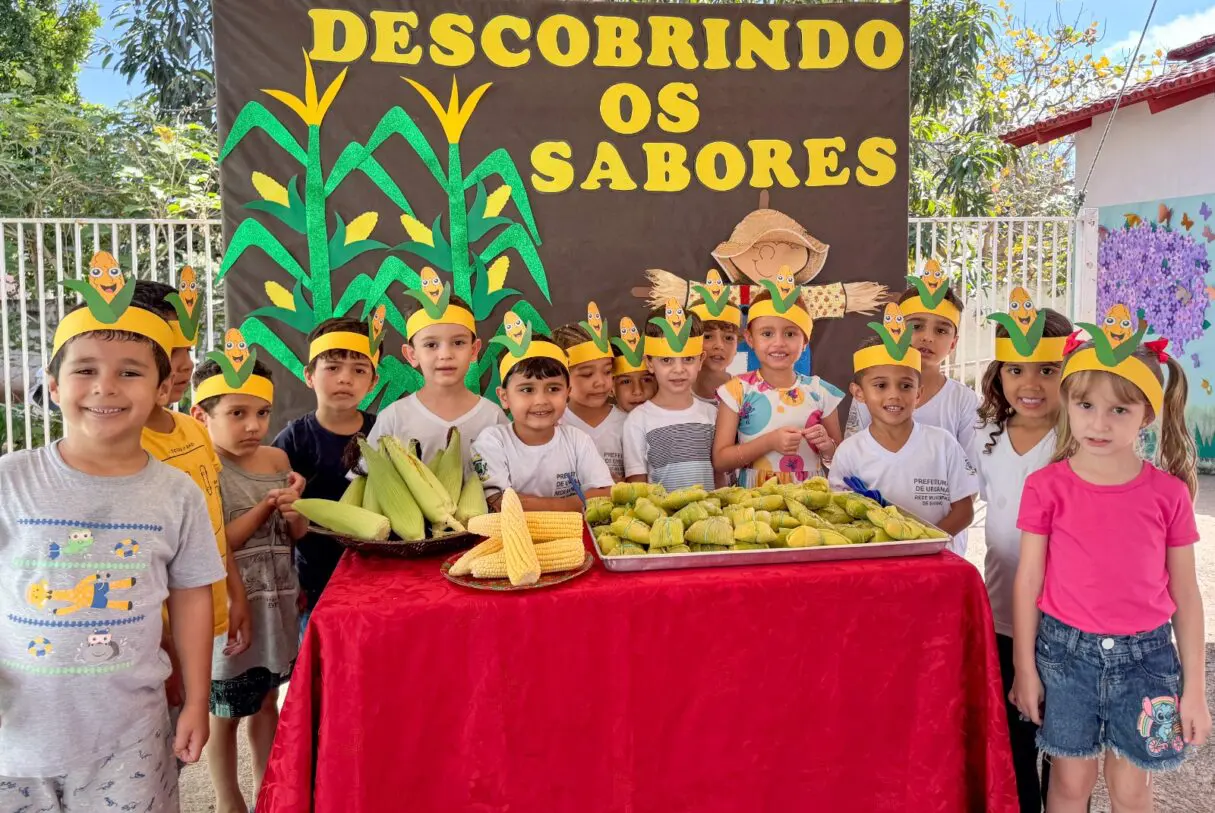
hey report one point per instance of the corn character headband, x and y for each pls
(631, 344)
(676, 340)
(1113, 351)
(107, 297)
(784, 304)
(931, 289)
(435, 298)
(517, 340)
(1025, 323)
(598, 347)
(715, 305)
(895, 349)
(365, 344)
(235, 372)
(185, 302)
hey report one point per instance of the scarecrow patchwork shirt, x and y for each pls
(86, 563)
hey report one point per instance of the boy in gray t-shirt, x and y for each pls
(95, 537)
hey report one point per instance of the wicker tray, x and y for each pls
(444, 543)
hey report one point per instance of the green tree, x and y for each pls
(168, 45)
(42, 43)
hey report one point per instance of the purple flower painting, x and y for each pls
(1160, 272)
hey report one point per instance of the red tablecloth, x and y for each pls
(864, 686)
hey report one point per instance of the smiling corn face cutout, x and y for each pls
(1025, 324)
(105, 276)
(107, 298)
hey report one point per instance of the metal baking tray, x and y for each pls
(777, 556)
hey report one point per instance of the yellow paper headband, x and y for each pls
(597, 347)
(133, 320)
(255, 385)
(535, 350)
(880, 356)
(622, 366)
(587, 352)
(1048, 351)
(946, 309)
(730, 314)
(1112, 351)
(795, 314)
(1131, 369)
(180, 339)
(659, 347)
(453, 315)
(342, 340)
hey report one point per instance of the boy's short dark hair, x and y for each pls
(207, 368)
(950, 297)
(150, 295)
(871, 341)
(539, 369)
(654, 330)
(164, 367)
(341, 324)
(567, 336)
(455, 300)
(724, 327)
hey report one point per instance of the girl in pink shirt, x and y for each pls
(1107, 573)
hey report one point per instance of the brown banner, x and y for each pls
(633, 137)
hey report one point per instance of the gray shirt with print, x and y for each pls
(86, 563)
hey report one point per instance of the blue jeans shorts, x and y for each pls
(1111, 692)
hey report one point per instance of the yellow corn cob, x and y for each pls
(522, 564)
(395, 500)
(463, 565)
(554, 557)
(544, 526)
(349, 520)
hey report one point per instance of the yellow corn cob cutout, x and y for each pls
(522, 563)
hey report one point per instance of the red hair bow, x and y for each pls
(1073, 341)
(1158, 347)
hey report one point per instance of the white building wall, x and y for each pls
(1167, 155)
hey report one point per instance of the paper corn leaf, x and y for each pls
(105, 312)
(929, 298)
(395, 380)
(676, 340)
(516, 237)
(255, 116)
(342, 252)
(252, 234)
(780, 302)
(232, 376)
(715, 305)
(1023, 342)
(501, 164)
(631, 354)
(480, 224)
(599, 337)
(356, 157)
(397, 122)
(434, 309)
(896, 349)
(187, 320)
(436, 252)
(484, 300)
(1107, 354)
(256, 332)
(516, 349)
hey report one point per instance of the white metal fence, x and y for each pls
(1053, 258)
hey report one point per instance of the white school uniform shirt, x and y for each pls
(673, 447)
(409, 418)
(608, 437)
(955, 408)
(559, 468)
(925, 477)
(1001, 478)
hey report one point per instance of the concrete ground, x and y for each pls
(1190, 790)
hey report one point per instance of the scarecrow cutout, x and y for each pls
(764, 246)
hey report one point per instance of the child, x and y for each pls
(1016, 438)
(95, 531)
(632, 382)
(442, 343)
(669, 439)
(933, 312)
(720, 321)
(917, 467)
(177, 439)
(1107, 559)
(261, 525)
(341, 371)
(551, 467)
(775, 421)
(590, 376)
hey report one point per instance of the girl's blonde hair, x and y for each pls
(1178, 454)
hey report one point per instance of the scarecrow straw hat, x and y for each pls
(764, 224)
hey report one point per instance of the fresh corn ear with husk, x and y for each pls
(599, 510)
(353, 495)
(472, 501)
(370, 502)
(436, 504)
(666, 532)
(647, 512)
(554, 557)
(348, 520)
(450, 470)
(522, 562)
(715, 531)
(395, 500)
(544, 526)
(629, 493)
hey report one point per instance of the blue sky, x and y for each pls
(1175, 22)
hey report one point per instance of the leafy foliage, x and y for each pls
(42, 43)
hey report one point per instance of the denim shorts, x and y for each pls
(1111, 692)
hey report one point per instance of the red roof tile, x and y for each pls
(1186, 82)
(1199, 48)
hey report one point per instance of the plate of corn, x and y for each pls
(402, 506)
(522, 550)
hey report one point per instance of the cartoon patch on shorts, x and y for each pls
(1160, 725)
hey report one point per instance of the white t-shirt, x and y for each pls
(955, 408)
(1001, 477)
(608, 437)
(409, 418)
(925, 477)
(557, 469)
(673, 447)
